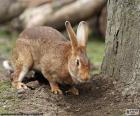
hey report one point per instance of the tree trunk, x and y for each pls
(122, 54)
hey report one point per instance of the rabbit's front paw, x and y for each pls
(55, 88)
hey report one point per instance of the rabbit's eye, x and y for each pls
(77, 62)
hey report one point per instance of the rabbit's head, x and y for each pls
(78, 63)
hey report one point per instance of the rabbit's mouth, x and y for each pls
(77, 80)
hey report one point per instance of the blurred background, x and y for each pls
(16, 15)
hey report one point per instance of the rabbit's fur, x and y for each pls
(46, 50)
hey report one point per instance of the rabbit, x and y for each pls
(59, 60)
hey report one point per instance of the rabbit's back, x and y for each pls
(41, 33)
(43, 39)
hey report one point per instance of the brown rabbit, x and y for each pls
(59, 60)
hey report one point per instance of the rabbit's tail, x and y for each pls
(7, 66)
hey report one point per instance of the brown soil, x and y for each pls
(97, 98)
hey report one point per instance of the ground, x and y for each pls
(99, 97)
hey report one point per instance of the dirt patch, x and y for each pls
(97, 98)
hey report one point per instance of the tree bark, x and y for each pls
(122, 53)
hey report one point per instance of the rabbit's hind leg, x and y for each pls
(23, 64)
(17, 77)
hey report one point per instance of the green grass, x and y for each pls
(95, 51)
(4, 86)
(5, 49)
(6, 43)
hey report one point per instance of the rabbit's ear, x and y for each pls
(71, 34)
(82, 33)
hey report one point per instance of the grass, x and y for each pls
(6, 43)
(4, 85)
(95, 51)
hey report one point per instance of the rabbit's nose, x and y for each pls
(85, 79)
